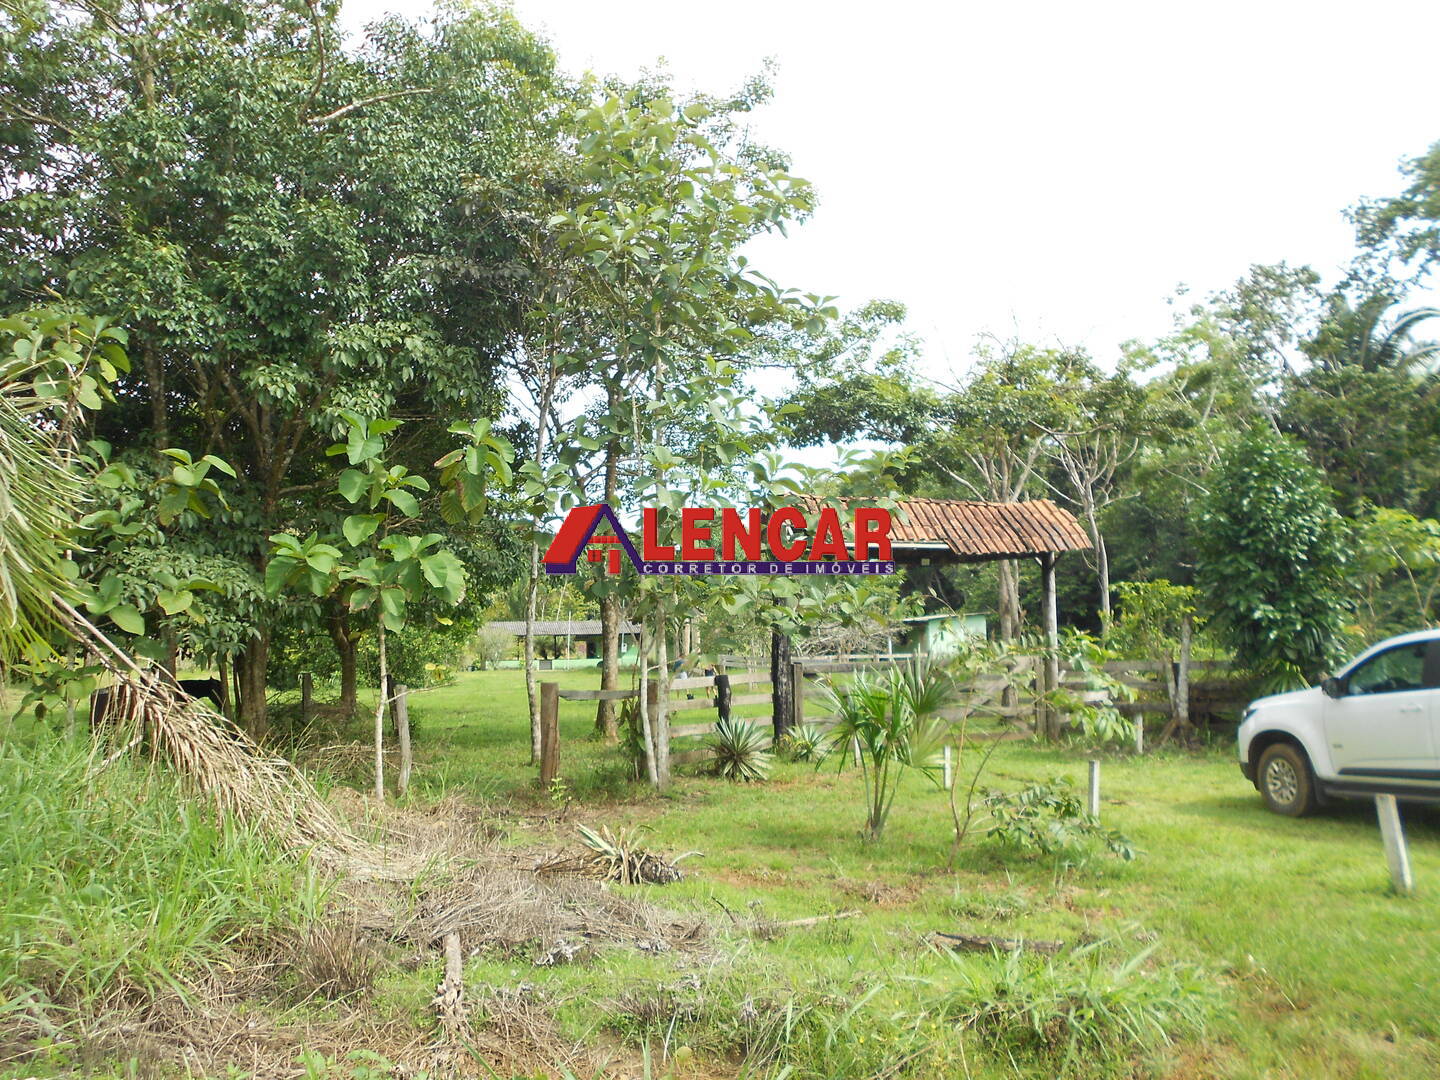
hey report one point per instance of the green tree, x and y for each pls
(284, 220)
(1273, 558)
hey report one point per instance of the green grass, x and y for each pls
(1239, 944)
(1316, 968)
(116, 890)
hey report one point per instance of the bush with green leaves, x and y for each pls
(1048, 818)
(740, 751)
(1274, 556)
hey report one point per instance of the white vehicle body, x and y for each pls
(1374, 727)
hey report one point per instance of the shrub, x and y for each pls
(1048, 819)
(739, 751)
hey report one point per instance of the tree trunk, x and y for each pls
(647, 707)
(380, 718)
(1009, 599)
(532, 691)
(610, 604)
(780, 689)
(532, 586)
(251, 667)
(346, 646)
(662, 710)
(609, 664)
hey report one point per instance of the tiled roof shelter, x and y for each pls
(958, 530)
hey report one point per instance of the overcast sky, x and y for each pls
(1048, 169)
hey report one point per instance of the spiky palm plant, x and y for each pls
(740, 752)
(895, 721)
(806, 742)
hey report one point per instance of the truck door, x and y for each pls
(1383, 725)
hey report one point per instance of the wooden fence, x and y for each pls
(1008, 698)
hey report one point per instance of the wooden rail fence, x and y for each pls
(1010, 694)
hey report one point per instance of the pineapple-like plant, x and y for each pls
(805, 742)
(740, 752)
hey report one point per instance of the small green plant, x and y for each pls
(740, 752)
(806, 742)
(1047, 818)
(895, 721)
(559, 792)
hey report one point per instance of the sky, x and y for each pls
(1052, 171)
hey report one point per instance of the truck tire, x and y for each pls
(1286, 781)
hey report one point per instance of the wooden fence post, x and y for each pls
(797, 693)
(1397, 852)
(722, 697)
(549, 733)
(1094, 789)
(1139, 732)
(402, 723)
(307, 697)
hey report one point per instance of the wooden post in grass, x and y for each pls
(402, 725)
(797, 693)
(549, 733)
(1094, 789)
(1397, 853)
(307, 697)
(722, 697)
(1139, 732)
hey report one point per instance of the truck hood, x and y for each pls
(1311, 695)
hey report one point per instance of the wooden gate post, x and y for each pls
(307, 697)
(722, 697)
(549, 733)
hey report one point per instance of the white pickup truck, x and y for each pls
(1371, 728)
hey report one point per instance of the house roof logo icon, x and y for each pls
(577, 532)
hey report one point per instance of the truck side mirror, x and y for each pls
(1331, 687)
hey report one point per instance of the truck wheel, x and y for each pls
(1285, 780)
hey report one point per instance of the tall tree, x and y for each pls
(282, 219)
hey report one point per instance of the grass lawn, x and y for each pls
(1285, 931)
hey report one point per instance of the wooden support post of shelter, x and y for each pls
(549, 733)
(1052, 643)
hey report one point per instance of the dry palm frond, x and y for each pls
(618, 857)
(226, 766)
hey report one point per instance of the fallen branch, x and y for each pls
(984, 943)
(814, 919)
